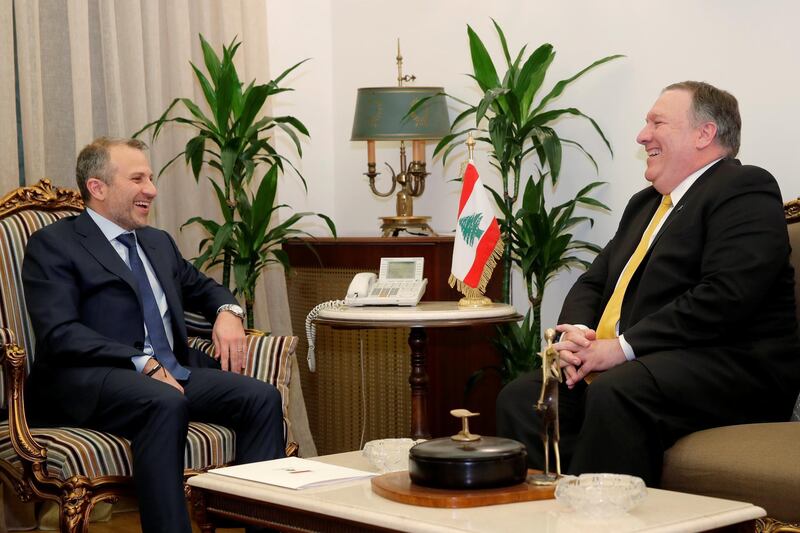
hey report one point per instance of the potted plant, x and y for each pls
(232, 141)
(517, 127)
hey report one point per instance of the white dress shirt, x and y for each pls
(111, 232)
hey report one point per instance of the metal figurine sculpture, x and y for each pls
(547, 408)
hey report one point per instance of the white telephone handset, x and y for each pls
(360, 287)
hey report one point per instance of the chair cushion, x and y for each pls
(79, 451)
(757, 463)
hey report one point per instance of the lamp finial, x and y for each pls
(470, 142)
(399, 65)
(400, 77)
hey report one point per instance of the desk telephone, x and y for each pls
(400, 282)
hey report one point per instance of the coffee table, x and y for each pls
(353, 507)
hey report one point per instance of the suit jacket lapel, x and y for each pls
(96, 244)
(685, 200)
(673, 215)
(162, 268)
(640, 222)
(637, 224)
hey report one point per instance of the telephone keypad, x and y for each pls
(394, 288)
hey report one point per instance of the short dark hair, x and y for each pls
(93, 161)
(710, 104)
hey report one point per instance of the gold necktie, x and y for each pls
(607, 328)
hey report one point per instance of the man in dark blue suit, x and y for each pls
(106, 295)
(686, 320)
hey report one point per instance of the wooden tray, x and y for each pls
(397, 486)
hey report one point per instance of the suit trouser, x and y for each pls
(621, 423)
(155, 418)
(626, 418)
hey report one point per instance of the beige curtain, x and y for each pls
(107, 67)
(9, 175)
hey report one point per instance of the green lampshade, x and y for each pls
(380, 111)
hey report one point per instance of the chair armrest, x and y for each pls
(197, 325)
(269, 359)
(7, 336)
(14, 361)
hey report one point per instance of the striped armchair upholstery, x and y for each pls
(79, 467)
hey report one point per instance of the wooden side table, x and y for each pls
(322, 269)
(418, 319)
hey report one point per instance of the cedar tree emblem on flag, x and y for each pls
(477, 246)
(470, 228)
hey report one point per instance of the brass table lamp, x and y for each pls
(381, 116)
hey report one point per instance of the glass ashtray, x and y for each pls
(388, 455)
(601, 495)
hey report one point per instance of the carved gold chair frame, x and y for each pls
(77, 495)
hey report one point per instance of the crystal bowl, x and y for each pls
(601, 495)
(388, 455)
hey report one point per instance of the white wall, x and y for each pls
(746, 47)
(298, 30)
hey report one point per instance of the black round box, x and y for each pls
(486, 463)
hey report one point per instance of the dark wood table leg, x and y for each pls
(418, 380)
(199, 513)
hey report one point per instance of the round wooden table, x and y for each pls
(418, 318)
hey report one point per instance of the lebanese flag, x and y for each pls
(478, 246)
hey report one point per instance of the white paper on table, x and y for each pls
(292, 473)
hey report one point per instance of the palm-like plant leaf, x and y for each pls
(231, 138)
(516, 127)
(561, 85)
(483, 66)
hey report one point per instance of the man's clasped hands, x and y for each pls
(581, 352)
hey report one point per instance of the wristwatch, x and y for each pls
(232, 308)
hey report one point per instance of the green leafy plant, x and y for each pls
(543, 245)
(515, 344)
(518, 128)
(232, 140)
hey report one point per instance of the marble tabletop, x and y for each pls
(661, 512)
(422, 312)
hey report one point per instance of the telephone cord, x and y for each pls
(311, 329)
(363, 390)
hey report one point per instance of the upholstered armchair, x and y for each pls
(757, 463)
(78, 467)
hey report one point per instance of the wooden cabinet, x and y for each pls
(361, 383)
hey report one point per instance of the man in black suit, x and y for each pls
(686, 319)
(106, 295)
